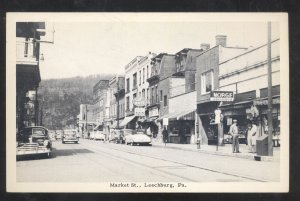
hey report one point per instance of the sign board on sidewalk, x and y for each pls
(221, 96)
(165, 121)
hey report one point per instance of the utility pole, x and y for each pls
(270, 126)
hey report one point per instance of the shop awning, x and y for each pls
(97, 126)
(183, 115)
(126, 120)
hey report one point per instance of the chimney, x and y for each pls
(221, 40)
(204, 46)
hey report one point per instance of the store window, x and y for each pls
(207, 84)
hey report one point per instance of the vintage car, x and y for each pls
(70, 136)
(34, 140)
(59, 134)
(51, 134)
(137, 137)
(98, 135)
(117, 136)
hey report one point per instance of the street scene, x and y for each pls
(148, 101)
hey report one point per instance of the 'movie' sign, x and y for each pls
(221, 96)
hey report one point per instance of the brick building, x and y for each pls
(207, 79)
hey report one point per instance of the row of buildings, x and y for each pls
(181, 92)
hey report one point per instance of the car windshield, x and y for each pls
(37, 132)
(69, 132)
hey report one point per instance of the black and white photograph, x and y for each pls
(147, 102)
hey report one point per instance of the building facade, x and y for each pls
(162, 68)
(246, 75)
(28, 35)
(101, 105)
(179, 103)
(207, 79)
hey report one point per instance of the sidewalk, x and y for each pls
(225, 150)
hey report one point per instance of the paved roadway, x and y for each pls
(95, 161)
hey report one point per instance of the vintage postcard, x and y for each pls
(147, 102)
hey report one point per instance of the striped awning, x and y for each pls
(126, 120)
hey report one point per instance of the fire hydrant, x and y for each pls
(198, 143)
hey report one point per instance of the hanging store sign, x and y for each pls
(265, 102)
(139, 102)
(221, 96)
(139, 111)
(153, 112)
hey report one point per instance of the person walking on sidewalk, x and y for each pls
(234, 132)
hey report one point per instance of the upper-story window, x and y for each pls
(127, 85)
(143, 75)
(207, 82)
(140, 77)
(147, 72)
(101, 103)
(127, 103)
(134, 81)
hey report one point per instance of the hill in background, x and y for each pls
(59, 99)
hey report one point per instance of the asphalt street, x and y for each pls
(96, 161)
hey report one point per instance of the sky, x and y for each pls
(86, 48)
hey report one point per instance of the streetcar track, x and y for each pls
(154, 171)
(182, 164)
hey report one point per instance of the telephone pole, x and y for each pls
(270, 126)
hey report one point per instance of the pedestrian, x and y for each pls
(249, 136)
(253, 137)
(234, 132)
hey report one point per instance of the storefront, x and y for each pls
(181, 126)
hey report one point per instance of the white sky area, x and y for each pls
(86, 48)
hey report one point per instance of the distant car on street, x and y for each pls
(52, 134)
(34, 140)
(59, 134)
(98, 135)
(70, 136)
(137, 137)
(117, 136)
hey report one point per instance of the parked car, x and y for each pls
(98, 135)
(59, 134)
(137, 137)
(34, 140)
(52, 134)
(70, 136)
(117, 136)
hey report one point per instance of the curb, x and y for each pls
(250, 157)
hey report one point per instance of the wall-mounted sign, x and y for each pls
(139, 111)
(139, 102)
(265, 102)
(221, 96)
(153, 112)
